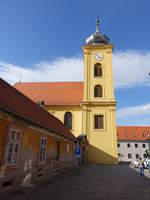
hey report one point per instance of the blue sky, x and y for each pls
(39, 38)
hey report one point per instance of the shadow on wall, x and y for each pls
(98, 156)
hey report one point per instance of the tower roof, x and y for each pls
(97, 38)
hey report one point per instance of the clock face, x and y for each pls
(98, 56)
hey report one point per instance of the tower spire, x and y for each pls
(97, 37)
(97, 25)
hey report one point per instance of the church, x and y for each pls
(87, 108)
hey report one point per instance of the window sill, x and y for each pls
(41, 163)
(98, 77)
(98, 129)
(10, 167)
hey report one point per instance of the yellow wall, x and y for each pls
(59, 112)
(102, 142)
(106, 80)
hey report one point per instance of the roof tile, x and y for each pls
(15, 102)
(133, 133)
(53, 93)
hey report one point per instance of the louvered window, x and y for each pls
(99, 122)
(97, 70)
(98, 91)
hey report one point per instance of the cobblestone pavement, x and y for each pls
(91, 182)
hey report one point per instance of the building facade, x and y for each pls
(133, 142)
(33, 144)
(89, 107)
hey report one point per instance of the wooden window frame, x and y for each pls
(58, 146)
(97, 126)
(97, 67)
(98, 91)
(14, 141)
(67, 151)
(137, 156)
(129, 155)
(43, 148)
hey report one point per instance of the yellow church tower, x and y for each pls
(99, 105)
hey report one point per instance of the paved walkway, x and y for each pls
(92, 182)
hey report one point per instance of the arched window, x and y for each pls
(68, 120)
(98, 91)
(97, 70)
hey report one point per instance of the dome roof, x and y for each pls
(97, 37)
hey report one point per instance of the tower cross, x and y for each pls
(97, 25)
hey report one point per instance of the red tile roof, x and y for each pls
(53, 93)
(133, 133)
(13, 101)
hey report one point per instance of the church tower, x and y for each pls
(99, 105)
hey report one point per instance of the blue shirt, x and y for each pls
(77, 150)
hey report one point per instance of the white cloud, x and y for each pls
(130, 69)
(62, 69)
(134, 111)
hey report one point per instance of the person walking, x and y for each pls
(148, 164)
(77, 154)
(141, 165)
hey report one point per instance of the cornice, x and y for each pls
(93, 103)
(97, 47)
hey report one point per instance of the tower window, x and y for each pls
(99, 121)
(68, 120)
(97, 70)
(98, 91)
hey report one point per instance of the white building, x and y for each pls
(133, 142)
